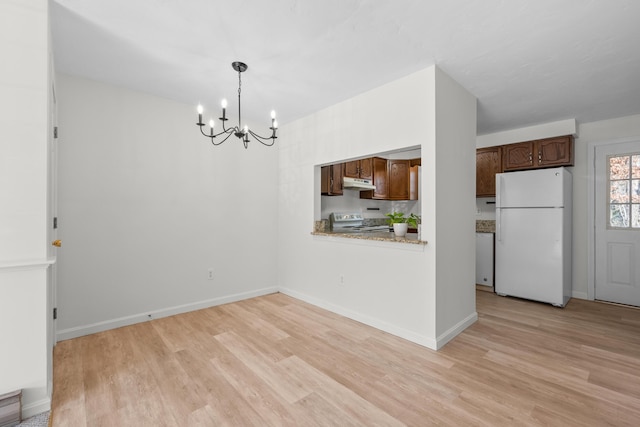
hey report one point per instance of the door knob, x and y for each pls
(57, 243)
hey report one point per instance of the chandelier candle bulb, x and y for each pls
(200, 111)
(224, 109)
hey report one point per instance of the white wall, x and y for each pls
(391, 286)
(24, 101)
(453, 203)
(147, 205)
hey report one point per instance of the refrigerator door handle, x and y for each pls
(498, 227)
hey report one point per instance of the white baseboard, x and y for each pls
(456, 329)
(579, 295)
(423, 340)
(29, 409)
(93, 328)
(367, 320)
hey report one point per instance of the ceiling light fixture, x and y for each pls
(239, 131)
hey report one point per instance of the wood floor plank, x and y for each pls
(267, 406)
(277, 361)
(342, 398)
(288, 388)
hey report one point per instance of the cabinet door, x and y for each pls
(555, 151)
(488, 164)
(517, 156)
(359, 169)
(398, 179)
(414, 183)
(380, 180)
(336, 180)
(352, 169)
(324, 179)
(366, 168)
(331, 180)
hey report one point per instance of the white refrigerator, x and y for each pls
(533, 235)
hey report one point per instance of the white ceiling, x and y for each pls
(527, 61)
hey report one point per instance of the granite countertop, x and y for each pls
(381, 236)
(485, 226)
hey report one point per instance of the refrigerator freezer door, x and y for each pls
(535, 188)
(529, 254)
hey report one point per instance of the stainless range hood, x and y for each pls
(357, 184)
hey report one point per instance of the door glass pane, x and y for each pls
(619, 216)
(635, 216)
(619, 167)
(635, 191)
(619, 191)
(635, 166)
(624, 191)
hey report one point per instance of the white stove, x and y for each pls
(352, 222)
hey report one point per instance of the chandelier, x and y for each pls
(241, 132)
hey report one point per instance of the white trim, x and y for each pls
(367, 320)
(580, 295)
(106, 325)
(591, 188)
(423, 340)
(27, 264)
(455, 330)
(545, 130)
(35, 408)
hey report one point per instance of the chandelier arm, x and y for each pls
(262, 140)
(208, 135)
(223, 140)
(224, 128)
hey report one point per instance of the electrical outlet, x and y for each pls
(210, 274)
(341, 280)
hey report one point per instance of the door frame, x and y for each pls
(591, 212)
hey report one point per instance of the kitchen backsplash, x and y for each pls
(351, 202)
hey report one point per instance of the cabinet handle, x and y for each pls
(540, 157)
(531, 158)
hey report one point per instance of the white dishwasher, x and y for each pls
(484, 259)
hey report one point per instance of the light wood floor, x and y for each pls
(275, 361)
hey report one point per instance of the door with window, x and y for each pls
(617, 223)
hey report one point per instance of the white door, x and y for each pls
(53, 253)
(617, 223)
